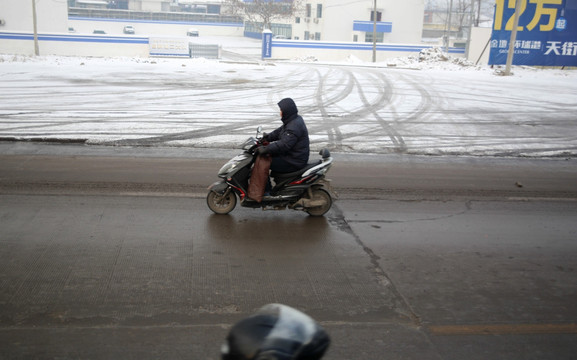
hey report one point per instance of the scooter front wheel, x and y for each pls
(221, 204)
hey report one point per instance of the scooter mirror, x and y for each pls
(259, 132)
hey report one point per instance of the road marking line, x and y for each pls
(568, 199)
(503, 329)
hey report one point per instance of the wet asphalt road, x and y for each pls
(114, 255)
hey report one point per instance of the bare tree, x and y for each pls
(481, 8)
(264, 11)
(461, 12)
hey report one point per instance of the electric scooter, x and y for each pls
(306, 189)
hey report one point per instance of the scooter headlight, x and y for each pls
(250, 142)
(226, 168)
(232, 164)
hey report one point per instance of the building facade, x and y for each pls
(343, 20)
(17, 15)
(149, 5)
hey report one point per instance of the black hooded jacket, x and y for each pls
(291, 140)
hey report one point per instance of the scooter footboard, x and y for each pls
(292, 191)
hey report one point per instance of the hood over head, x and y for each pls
(288, 108)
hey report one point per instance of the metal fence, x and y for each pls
(154, 16)
(254, 30)
(206, 51)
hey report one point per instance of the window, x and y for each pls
(309, 10)
(369, 37)
(428, 17)
(307, 35)
(319, 11)
(379, 15)
(317, 36)
(297, 20)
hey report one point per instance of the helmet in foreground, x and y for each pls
(276, 332)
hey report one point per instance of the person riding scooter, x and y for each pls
(289, 145)
(244, 178)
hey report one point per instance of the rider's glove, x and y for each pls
(261, 150)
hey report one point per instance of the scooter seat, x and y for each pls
(279, 176)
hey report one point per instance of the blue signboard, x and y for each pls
(367, 26)
(266, 44)
(546, 35)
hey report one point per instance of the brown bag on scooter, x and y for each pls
(259, 177)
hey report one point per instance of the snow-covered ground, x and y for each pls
(425, 104)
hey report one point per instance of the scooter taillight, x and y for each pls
(298, 182)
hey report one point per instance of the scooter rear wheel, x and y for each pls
(221, 204)
(320, 194)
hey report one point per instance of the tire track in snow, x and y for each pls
(372, 108)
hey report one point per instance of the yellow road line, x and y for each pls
(503, 329)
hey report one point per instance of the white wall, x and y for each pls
(51, 15)
(479, 39)
(337, 19)
(149, 5)
(333, 54)
(65, 44)
(407, 18)
(338, 51)
(16, 35)
(111, 26)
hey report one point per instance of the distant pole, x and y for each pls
(513, 38)
(375, 32)
(472, 16)
(478, 17)
(36, 50)
(449, 26)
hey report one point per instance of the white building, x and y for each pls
(195, 6)
(345, 20)
(150, 5)
(16, 15)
